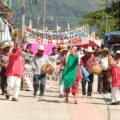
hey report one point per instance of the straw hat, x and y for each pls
(41, 47)
(47, 68)
(64, 49)
(5, 45)
(117, 52)
(89, 49)
(105, 50)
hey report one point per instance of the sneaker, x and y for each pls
(41, 98)
(66, 100)
(35, 94)
(89, 97)
(4, 92)
(7, 97)
(61, 96)
(14, 99)
(75, 102)
(105, 92)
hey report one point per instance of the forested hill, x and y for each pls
(57, 11)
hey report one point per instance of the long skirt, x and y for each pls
(74, 88)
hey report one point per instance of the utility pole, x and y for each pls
(44, 11)
(106, 16)
(22, 17)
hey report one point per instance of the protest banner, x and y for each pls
(28, 78)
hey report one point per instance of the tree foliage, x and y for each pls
(114, 10)
(110, 15)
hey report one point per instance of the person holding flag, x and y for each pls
(71, 74)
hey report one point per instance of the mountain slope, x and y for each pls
(57, 11)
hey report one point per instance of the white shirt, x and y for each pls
(104, 63)
(39, 62)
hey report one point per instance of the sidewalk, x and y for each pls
(52, 108)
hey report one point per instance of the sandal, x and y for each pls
(66, 100)
(75, 102)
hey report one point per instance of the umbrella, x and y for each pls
(91, 43)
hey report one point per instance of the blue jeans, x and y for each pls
(90, 84)
(39, 81)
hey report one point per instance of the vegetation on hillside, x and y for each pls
(57, 11)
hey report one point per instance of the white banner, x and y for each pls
(73, 41)
(28, 78)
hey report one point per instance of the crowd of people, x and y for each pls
(77, 66)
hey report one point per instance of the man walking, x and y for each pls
(88, 61)
(4, 59)
(39, 79)
(14, 73)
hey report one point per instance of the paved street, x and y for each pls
(54, 108)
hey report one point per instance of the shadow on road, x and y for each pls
(105, 99)
(51, 96)
(2, 99)
(26, 96)
(98, 103)
(51, 101)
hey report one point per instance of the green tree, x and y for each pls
(114, 10)
(98, 18)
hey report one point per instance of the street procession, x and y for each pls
(57, 66)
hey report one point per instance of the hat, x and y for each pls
(89, 49)
(64, 49)
(105, 50)
(41, 47)
(47, 68)
(117, 52)
(5, 45)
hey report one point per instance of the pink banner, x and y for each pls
(35, 46)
